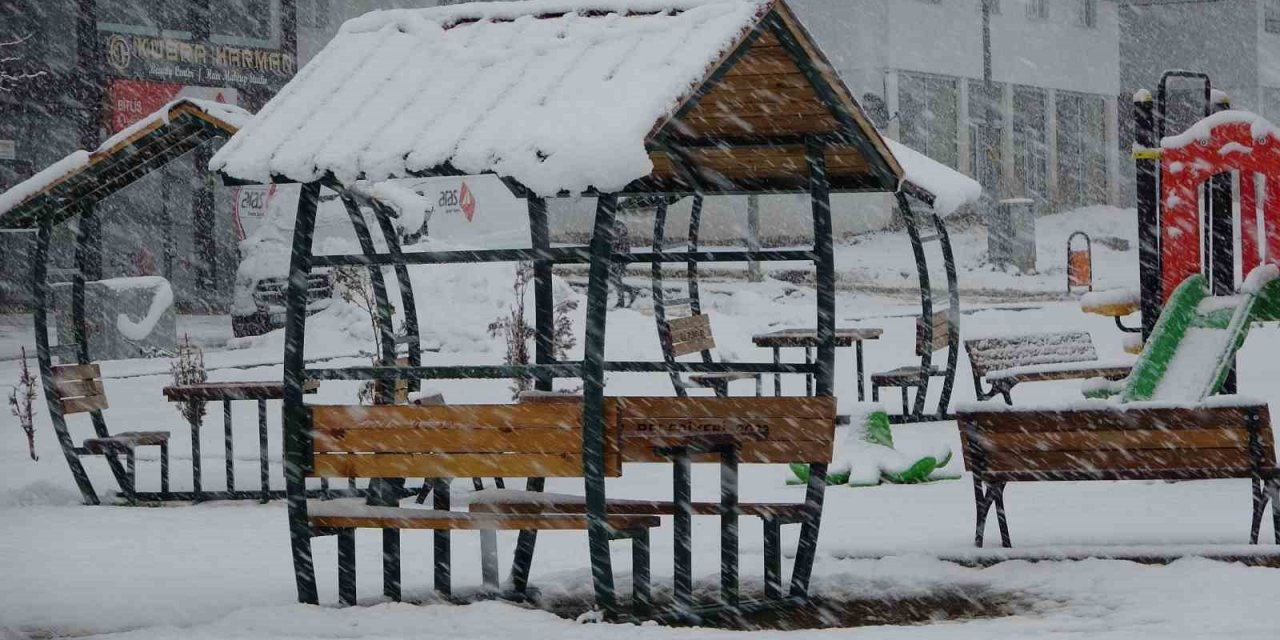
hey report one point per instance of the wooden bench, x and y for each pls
(792, 429)
(79, 388)
(1008, 445)
(692, 334)
(912, 376)
(452, 441)
(1006, 362)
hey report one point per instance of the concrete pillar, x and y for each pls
(1112, 147)
(963, 145)
(754, 273)
(1009, 188)
(891, 103)
(1051, 147)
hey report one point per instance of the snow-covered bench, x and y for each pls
(1231, 438)
(1008, 361)
(453, 441)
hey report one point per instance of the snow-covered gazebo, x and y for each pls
(604, 98)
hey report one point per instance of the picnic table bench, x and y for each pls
(685, 430)
(1008, 361)
(450, 441)
(1118, 443)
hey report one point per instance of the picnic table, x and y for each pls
(808, 340)
(226, 392)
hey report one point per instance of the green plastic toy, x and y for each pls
(866, 457)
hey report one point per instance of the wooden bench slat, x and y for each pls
(359, 516)
(332, 418)
(691, 334)
(810, 451)
(1086, 461)
(84, 403)
(126, 440)
(1075, 373)
(1169, 419)
(73, 388)
(444, 441)
(745, 407)
(516, 501)
(63, 372)
(453, 465)
(1135, 439)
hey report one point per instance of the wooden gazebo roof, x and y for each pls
(562, 96)
(82, 178)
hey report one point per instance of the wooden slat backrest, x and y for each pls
(941, 325)
(79, 387)
(995, 354)
(782, 430)
(1109, 443)
(691, 334)
(452, 441)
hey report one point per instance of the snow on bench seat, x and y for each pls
(1059, 370)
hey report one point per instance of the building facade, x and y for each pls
(1052, 105)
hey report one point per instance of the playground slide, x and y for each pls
(1192, 348)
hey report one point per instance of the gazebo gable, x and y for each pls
(747, 125)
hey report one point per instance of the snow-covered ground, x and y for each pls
(885, 259)
(222, 570)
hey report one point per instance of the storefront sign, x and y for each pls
(131, 100)
(197, 63)
(250, 207)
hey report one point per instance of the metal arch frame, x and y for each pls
(948, 374)
(591, 370)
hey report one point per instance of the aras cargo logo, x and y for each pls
(467, 201)
(460, 199)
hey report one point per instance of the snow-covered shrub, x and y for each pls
(188, 368)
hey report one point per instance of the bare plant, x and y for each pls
(189, 368)
(10, 74)
(22, 404)
(516, 331)
(354, 284)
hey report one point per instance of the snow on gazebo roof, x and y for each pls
(62, 187)
(558, 95)
(948, 188)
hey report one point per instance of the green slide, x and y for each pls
(1193, 345)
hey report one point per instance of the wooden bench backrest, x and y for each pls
(691, 334)
(941, 325)
(788, 429)
(537, 439)
(1148, 443)
(79, 387)
(995, 354)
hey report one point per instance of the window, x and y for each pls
(986, 124)
(1089, 13)
(1038, 9)
(1082, 162)
(929, 114)
(1030, 148)
(1271, 19)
